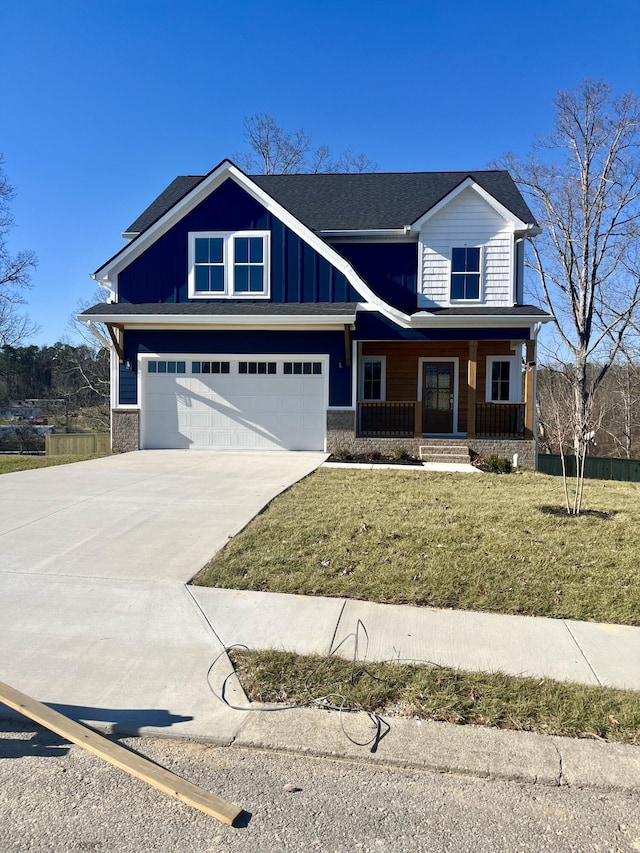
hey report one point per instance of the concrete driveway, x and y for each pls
(155, 515)
(94, 612)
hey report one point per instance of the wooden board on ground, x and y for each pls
(114, 753)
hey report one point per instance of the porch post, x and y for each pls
(472, 372)
(529, 389)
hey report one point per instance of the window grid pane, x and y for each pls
(372, 384)
(465, 273)
(500, 375)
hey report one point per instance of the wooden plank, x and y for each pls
(114, 753)
(472, 380)
(529, 388)
(114, 334)
(347, 345)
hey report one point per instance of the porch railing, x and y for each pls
(403, 419)
(389, 419)
(500, 420)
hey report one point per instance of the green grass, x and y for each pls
(434, 693)
(9, 464)
(493, 543)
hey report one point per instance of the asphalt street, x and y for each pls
(57, 798)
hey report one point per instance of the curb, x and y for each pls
(497, 754)
(412, 744)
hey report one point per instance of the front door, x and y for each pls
(437, 397)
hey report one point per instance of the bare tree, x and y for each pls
(15, 274)
(583, 183)
(276, 151)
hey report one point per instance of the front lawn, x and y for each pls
(440, 693)
(495, 543)
(9, 464)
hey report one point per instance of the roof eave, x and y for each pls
(425, 320)
(338, 320)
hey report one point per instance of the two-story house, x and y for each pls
(319, 312)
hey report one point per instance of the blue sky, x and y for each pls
(104, 102)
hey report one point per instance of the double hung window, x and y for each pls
(465, 273)
(504, 379)
(372, 379)
(232, 265)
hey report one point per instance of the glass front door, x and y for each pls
(437, 397)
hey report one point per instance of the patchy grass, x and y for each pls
(493, 543)
(9, 464)
(435, 693)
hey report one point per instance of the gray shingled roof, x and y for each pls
(355, 201)
(228, 307)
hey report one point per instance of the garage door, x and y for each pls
(236, 402)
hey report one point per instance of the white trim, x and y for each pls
(456, 387)
(467, 183)
(383, 378)
(114, 363)
(228, 264)
(196, 356)
(424, 320)
(356, 353)
(515, 378)
(207, 185)
(214, 320)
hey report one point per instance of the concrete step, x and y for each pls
(458, 453)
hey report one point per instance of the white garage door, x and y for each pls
(241, 402)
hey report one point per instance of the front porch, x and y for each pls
(472, 392)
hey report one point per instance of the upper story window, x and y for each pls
(231, 265)
(465, 273)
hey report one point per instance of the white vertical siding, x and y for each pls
(468, 220)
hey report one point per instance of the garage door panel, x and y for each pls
(236, 410)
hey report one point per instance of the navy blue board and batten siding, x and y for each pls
(251, 343)
(298, 272)
(390, 270)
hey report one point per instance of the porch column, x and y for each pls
(472, 372)
(529, 389)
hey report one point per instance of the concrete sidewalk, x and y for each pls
(566, 650)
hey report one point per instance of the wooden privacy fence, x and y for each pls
(596, 467)
(77, 444)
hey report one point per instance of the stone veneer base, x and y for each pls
(125, 430)
(341, 437)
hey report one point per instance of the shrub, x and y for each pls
(342, 454)
(373, 455)
(498, 464)
(400, 454)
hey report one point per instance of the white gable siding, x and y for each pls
(467, 220)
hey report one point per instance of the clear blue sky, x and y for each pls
(104, 102)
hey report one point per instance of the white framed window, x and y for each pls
(465, 273)
(229, 265)
(373, 377)
(504, 380)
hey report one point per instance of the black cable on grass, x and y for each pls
(358, 669)
(326, 702)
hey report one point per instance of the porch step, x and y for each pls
(458, 453)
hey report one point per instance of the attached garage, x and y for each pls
(242, 402)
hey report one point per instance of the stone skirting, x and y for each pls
(341, 437)
(526, 450)
(125, 430)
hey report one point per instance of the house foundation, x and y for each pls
(342, 438)
(125, 430)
